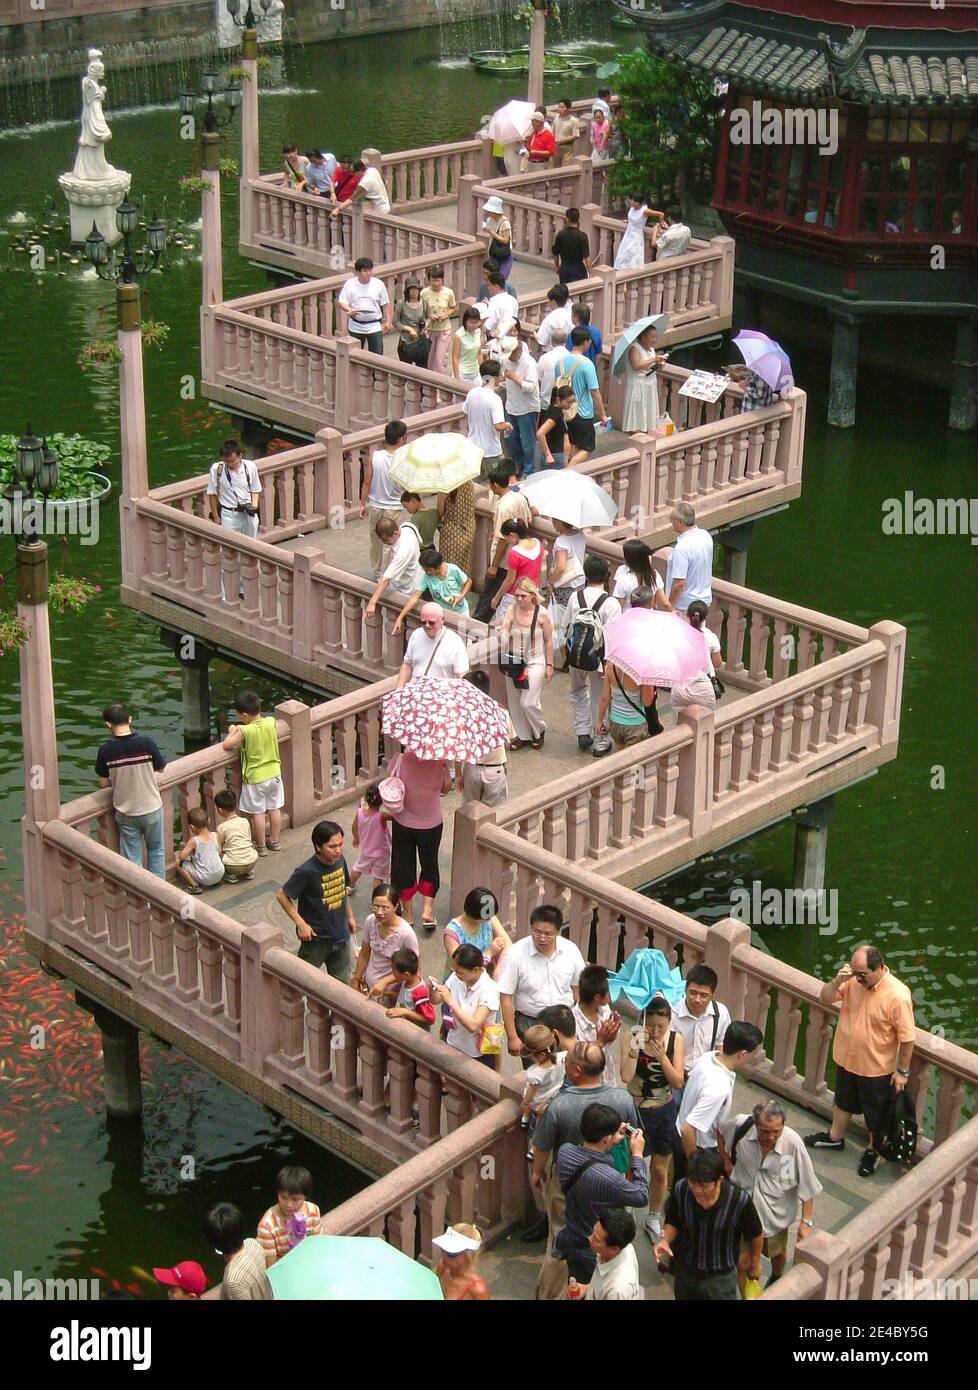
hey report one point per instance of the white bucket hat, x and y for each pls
(492, 205)
(454, 1243)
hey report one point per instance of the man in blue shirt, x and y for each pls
(581, 315)
(319, 172)
(590, 1182)
(584, 380)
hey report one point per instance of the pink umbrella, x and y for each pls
(655, 648)
(437, 719)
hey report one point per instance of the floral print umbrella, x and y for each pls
(438, 719)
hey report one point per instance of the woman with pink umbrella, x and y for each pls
(643, 650)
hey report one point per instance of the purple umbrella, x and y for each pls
(765, 357)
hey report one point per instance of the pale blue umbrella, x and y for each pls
(630, 335)
(351, 1269)
(766, 358)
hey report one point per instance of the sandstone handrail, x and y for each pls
(915, 1233)
(307, 381)
(237, 991)
(311, 305)
(476, 1173)
(717, 771)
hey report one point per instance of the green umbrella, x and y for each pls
(351, 1268)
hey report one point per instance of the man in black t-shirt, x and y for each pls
(316, 898)
(571, 250)
(706, 1218)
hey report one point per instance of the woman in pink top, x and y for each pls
(384, 932)
(416, 833)
(600, 136)
(523, 561)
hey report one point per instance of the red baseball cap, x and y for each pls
(187, 1275)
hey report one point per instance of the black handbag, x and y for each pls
(719, 689)
(652, 721)
(415, 351)
(515, 666)
(898, 1142)
(499, 251)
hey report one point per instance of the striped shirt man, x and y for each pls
(599, 1185)
(708, 1240)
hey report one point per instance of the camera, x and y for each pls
(246, 509)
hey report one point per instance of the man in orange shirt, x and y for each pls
(872, 1050)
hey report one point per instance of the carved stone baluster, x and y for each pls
(838, 719)
(760, 633)
(577, 826)
(211, 978)
(93, 899)
(822, 700)
(622, 805)
(555, 830)
(400, 1070)
(193, 555)
(352, 624)
(818, 1039)
(139, 944)
(117, 927)
(599, 817)
(787, 1020)
(292, 1021)
(187, 986)
(428, 1088)
(722, 759)
(332, 601)
(232, 986)
(736, 629)
(373, 1057)
(784, 650)
(161, 938)
(318, 1027)
(667, 771)
(743, 745)
(861, 686)
(804, 710)
(781, 743)
(952, 1199)
(346, 1041)
(458, 1110)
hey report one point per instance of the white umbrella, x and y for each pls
(511, 122)
(634, 331)
(436, 463)
(564, 495)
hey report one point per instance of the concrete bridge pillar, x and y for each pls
(195, 657)
(538, 35)
(735, 542)
(211, 267)
(964, 377)
(842, 372)
(120, 1061)
(812, 843)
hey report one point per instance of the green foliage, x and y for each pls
(239, 74)
(14, 632)
(67, 595)
(670, 125)
(193, 183)
(154, 333)
(77, 457)
(227, 167)
(100, 352)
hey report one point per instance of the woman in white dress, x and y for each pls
(642, 384)
(631, 252)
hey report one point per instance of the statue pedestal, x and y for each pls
(95, 200)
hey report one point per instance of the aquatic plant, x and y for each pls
(77, 459)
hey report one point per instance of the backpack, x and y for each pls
(563, 379)
(898, 1143)
(585, 641)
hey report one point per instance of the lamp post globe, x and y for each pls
(232, 95)
(95, 247)
(126, 218)
(28, 456)
(47, 476)
(156, 235)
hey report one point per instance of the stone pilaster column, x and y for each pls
(211, 274)
(132, 421)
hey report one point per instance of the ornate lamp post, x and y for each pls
(213, 121)
(249, 21)
(35, 472)
(126, 219)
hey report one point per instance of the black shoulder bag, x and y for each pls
(515, 666)
(652, 721)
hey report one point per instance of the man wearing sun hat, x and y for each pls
(184, 1281)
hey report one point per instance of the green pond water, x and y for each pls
(74, 1195)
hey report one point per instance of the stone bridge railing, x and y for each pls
(907, 1243)
(305, 382)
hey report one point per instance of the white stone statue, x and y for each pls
(90, 162)
(94, 188)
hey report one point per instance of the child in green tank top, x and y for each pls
(262, 792)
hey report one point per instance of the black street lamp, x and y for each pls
(35, 471)
(126, 220)
(212, 121)
(249, 21)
